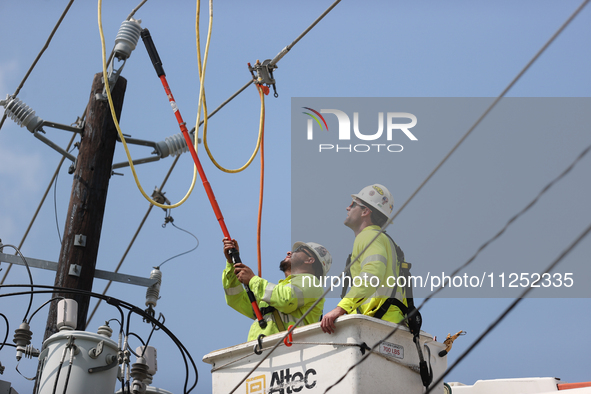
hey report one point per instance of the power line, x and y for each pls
(471, 259)
(503, 93)
(141, 225)
(223, 104)
(276, 59)
(135, 10)
(18, 89)
(117, 303)
(510, 308)
(20, 245)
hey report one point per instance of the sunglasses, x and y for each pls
(303, 249)
(355, 203)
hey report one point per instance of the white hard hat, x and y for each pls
(322, 255)
(377, 197)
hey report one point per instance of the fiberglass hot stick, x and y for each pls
(218, 213)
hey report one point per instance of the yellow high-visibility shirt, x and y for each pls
(373, 276)
(292, 297)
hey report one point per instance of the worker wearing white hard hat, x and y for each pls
(284, 303)
(375, 262)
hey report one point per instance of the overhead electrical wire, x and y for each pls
(18, 252)
(132, 13)
(256, 149)
(137, 232)
(20, 245)
(118, 304)
(183, 253)
(57, 224)
(512, 220)
(199, 123)
(201, 68)
(57, 25)
(71, 140)
(419, 187)
(7, 330)
(440, 163)
(513, 305)
(117, 126)
(390, 220)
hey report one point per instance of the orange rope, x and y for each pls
(261, 89)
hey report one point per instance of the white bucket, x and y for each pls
(313, 366)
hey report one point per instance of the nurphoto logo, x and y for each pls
(394, 125)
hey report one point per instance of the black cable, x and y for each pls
(69, 370)
(513, 304)
(18, 89)
(57, 376)
(45, 303)
(30, 279)
(140, 339)
(7, 330)
(39, 207)
(516, 216)
(482, 247)
(117, 303)
(151, 332)
(117, 320)
(55, 207)
(7, 344)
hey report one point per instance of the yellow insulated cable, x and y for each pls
(110, 100)
(262, 114)
(202, 94)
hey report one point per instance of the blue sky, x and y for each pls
(378, 49)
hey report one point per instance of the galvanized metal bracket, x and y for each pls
(80, 240)
(99, 274)
(75, 270)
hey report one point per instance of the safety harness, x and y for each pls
(411, 314)
(271, 309)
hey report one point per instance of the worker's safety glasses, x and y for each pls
(304, 249)
(355, 203)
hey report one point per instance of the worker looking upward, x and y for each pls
(366, 214)
(284, 303)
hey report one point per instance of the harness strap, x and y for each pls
(270, 309)
(347, 274)
(278, 320)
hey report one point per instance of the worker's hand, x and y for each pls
(243, 273)
(328, 320)
(229, 244)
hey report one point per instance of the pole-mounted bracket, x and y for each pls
(99, 274)
(80, 240)
(75, 270)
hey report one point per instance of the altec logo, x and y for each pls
(394, 123)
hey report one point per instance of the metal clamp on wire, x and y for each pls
(264, 74)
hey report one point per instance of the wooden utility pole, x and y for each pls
(82, 232)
